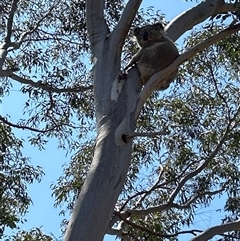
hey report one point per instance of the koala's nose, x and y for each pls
(145, 35)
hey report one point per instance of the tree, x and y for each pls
(197, 119)
(15, 174)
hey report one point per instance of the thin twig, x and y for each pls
(5, 121)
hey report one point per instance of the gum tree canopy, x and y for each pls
(143, 162)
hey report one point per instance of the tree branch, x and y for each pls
(7, 39)
(166, 206)
(157, 77)
(96, 25)
(125, 22)
(154, 186)
(193, 199)
(159, 234)
(205, 163)
(188, 19)
(158, 208)
(150, 134)
(144, 193)
(39, 84)
(220, 229)
(134, 225)
(4, 120)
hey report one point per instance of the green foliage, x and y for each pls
(35, 234)
(48, 40)
(69, 184)
(15, 174)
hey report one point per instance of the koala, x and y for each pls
(157, 51)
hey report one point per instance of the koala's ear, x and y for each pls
(136, 30)
(158, 26)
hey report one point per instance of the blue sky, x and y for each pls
(41, 213)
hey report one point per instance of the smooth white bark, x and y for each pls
(220, 229)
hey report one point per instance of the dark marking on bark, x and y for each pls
(118, 182)
(124, 137)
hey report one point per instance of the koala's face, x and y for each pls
(148, 33)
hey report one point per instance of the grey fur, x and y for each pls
(157, 51)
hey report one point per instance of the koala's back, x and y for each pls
(157, 52)
(156, 57)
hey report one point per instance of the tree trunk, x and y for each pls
(115, 102)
